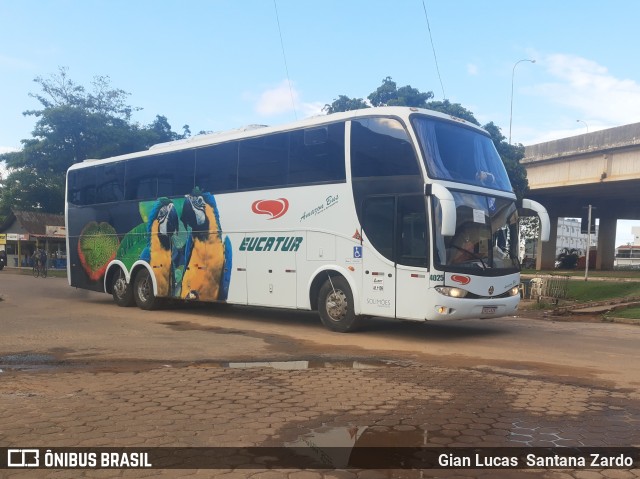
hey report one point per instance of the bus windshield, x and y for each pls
(485, 239)
(455, 153)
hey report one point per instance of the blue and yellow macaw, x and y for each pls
(161, 226)
(207, 257)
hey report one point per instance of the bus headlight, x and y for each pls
(515, 290)
(452, 292)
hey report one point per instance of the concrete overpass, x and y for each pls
(600, 168)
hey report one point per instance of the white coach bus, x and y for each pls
(394, 212)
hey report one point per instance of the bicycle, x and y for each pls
(36, 269)
(39, 269)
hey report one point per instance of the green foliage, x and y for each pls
(344, 103)
(73, 125)
(388, 94)
(453, 109)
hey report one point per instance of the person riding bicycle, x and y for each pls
(39, 258)
(43, 259)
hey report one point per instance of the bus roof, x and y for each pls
(199, 141)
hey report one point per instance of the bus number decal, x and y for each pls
(437, 277)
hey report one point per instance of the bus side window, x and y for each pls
(110, 183)
(317, 155)
(82, 186)
(217, 168)
(151, 177)
(140, 179)
(175, 173)
(413, 231)
(378, 224)
(381, 147)
(263, 161)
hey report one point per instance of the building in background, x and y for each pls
(24, 231)
(628, 256)
(568, 238)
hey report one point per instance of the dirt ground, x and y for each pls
(77, 371)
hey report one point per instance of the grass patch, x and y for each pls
(628, 274)
(586, 291)
(629, 313)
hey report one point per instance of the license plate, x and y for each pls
(489, 309)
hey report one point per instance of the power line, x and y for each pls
(293, 103)
(424, 7)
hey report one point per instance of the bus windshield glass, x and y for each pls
(455, 153)
(485, 238)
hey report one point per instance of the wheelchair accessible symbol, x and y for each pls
(357, 252)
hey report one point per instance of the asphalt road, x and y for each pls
(79, 371)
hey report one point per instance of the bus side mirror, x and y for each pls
(541, 211)
(447, 205)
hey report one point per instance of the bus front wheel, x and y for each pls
(335, 306)
(143, 291)
(122, 291)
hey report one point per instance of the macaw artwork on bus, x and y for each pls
(181, 240)
(207, 257)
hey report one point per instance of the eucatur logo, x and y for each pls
(458, 278)
(273, 208)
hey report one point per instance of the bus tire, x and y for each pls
(122, 291)
(335, 306)
(143, 291)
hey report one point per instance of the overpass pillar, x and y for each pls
(546, 252)
(606, 243)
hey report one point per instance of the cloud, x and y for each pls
(281, 99)
(591, 90)
(277, 100)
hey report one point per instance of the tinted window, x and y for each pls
(317, 155)
(453, 152)
(412, 246)
(379, 214)
(82, 186)
(110, 183)
(381, 147)
(217, 168)
(264, 161)
(150, 177)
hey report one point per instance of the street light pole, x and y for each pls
(586, 263)
(513, 72)
(585, 124)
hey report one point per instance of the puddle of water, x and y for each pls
(340, 447)
(302, 364)
(27, 362)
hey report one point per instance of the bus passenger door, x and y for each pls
(377, 251)
(412, 253)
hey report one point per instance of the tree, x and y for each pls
(73, 125)
(344, 103)
(388, 94)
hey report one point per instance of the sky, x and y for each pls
(220, 64)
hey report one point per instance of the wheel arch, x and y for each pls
(318, 278)
(130, 276)
(112, 269)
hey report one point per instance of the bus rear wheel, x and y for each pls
(335, 306)
(122, 291)
(143, 291)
